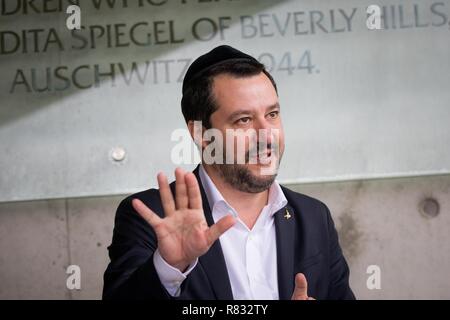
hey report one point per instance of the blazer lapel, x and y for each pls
(285, 237)
(213, 262)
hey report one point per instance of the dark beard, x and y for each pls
(241, 178)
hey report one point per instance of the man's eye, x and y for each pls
(273, 114)
(244, 120)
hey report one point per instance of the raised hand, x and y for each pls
(183, 234)
(301, 288)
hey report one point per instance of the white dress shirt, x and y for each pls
(250, 254)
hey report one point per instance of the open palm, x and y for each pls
(183, 234)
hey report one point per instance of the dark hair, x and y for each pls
(198, 103)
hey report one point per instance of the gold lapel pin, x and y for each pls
(287, 215)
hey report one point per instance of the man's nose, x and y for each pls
(264, 130)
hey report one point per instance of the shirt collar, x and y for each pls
(276, 201)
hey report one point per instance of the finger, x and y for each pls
(195, 198)
(181, 197)
(219, 228)
(166, 195)
(301, 287)
(311, 298)
(146, 213)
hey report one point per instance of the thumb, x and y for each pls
(220, 227)
(301, 287)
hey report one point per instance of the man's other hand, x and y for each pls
(301, 288)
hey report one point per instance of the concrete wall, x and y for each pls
(380, 222)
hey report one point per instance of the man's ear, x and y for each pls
(196, 129)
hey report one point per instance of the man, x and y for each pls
(227, 230)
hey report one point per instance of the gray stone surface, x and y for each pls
(33, 250)
(91, 222)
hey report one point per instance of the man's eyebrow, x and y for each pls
(237, 113)
(274, 106)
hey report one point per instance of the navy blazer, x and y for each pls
(307, 242)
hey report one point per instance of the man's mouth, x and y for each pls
(264, 157)
(265, 154)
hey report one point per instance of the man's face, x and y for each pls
(248, 105)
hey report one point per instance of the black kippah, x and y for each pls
(213, 58)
